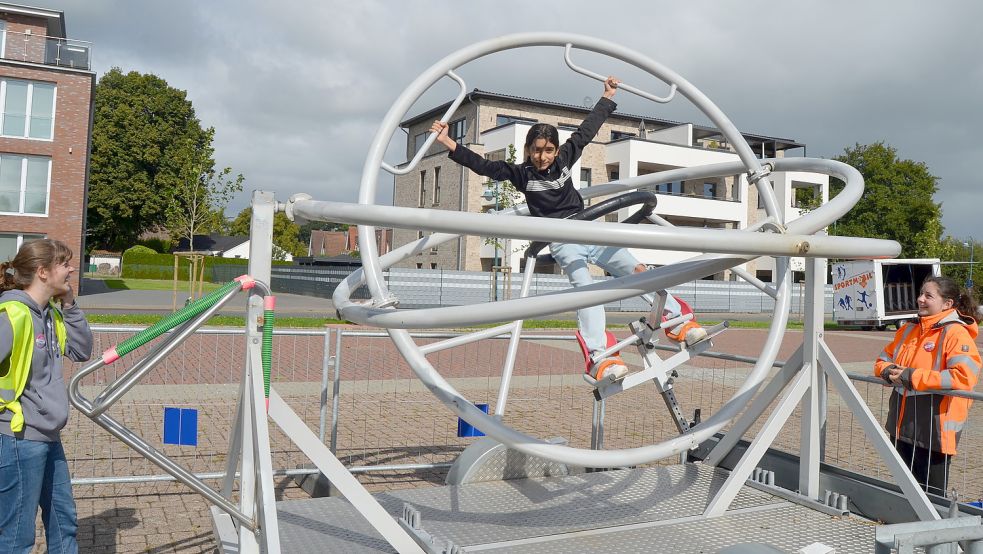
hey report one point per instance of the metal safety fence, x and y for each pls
(352, 387)
(425, 288)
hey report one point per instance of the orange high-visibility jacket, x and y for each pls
(938, 353)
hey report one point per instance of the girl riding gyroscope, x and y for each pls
(544, 179)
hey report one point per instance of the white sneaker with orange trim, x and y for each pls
(612, 367)
(689, 332)
(695, 335)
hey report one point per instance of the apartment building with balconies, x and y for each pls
(46, 95)
(626, 146)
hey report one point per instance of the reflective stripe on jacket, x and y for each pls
(938, 353)
(16, 368)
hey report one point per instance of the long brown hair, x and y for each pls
(962, 300)
(19, 272)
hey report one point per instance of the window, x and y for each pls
(3, 38)
(761, 199)
(24, 184)
(418, 141)
(611, 218)
(502, 119)
(419, 265)
(433, 265)
(584, 178)
(614, 175)
(11, 243)
(457, 129)
(675, 187)
(709, 190)
(423, 189)
(497, 155)
(436, 186)
(618, 135)
(28, 109)
(805, 197)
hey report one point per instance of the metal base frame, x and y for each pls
(489, 460)
(803, 380)
(655, 509)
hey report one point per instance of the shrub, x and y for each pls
(139, 249)
(140, 262)
(159, 245)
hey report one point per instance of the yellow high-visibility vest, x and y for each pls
(15, 370)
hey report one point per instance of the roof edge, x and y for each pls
(439, 110)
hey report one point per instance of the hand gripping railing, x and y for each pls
(422, 150)
(186, 320)
(622, 86)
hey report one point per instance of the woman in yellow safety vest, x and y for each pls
(40, 323)
(929, 356)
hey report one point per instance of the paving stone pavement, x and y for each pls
(386, 417)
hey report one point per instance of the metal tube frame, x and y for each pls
(797, 238)
(727, 249)
(508, 366)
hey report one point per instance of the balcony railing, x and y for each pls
(675, 192)
(56, 51)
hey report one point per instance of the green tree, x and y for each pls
(199, 200)
(963, 251)
(897, 203)
(505, 196)
(286, 233)
(144, 134)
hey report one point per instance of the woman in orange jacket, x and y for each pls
(935, 353)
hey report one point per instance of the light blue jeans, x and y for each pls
(573, 259)
(33, 474)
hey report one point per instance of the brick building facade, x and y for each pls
(46, 98)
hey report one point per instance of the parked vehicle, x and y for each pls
(876, 293)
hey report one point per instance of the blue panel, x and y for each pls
(172, 426)
(465, 429)
(189, 427)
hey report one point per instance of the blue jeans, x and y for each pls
(32, 474)
(573, 259)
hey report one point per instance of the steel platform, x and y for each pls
(657, 509)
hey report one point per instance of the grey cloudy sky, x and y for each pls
(296, 89)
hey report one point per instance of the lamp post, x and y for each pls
(971, 244)
(488, 195)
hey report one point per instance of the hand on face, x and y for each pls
(67, 298)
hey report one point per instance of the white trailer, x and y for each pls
(874, 293)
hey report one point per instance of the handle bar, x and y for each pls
(648, 200)
(422, 151)
(629, 88)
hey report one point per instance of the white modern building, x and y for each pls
(626, 146)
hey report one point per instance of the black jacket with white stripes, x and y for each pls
(548, 194)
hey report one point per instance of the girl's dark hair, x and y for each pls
(541, 131)
(19, 272)
(962, 300)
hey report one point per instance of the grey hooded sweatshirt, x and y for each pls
(45, 398)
